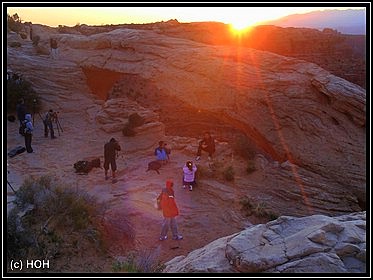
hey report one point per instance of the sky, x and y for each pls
(238, 16)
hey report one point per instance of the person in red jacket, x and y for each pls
(170, 211)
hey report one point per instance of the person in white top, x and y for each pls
(189, 175)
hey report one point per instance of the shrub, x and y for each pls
(15, 44)
(21, 88)
(35, 40)
(128, 131)
(23, 35)
(243, 147)
(57, 211)
(134, 120)
(203, 172)
(229, 173)
(14, 23)
(250, 166)
(141, 261)
(259, 209)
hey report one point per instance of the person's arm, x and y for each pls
(213, 143)
(118, 148)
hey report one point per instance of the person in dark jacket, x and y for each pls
(21, 113)
(170, 211)
(54, 48)
(50, 117)
(110, 149)
(29, 128)
(206, 144)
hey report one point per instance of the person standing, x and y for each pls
(28, 133)
(21, 114)
(206, 144)
(54, 48)
(48, 123)
(170, 211)
(31, 31)
(189, 175)
(110, 149)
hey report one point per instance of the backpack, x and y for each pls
(22, 129)
(82, 166)
(162, 199)
(26, 130)
(16, 151)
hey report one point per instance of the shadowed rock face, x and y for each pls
(293, 110)
(317, 244)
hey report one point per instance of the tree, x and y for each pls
(14, 23)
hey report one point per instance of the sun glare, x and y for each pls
(239, 28)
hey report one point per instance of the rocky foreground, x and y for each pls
(315, 243)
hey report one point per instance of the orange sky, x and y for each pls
(240, 16)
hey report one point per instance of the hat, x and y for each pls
(169, 183)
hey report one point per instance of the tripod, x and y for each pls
(10, 186)
(58, 124)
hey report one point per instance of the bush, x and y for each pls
(134, 120)
(20, 88)
(15, 44)
(246, 206)
(259, 209)
(58, 215)
(35, 40)
(243, 147)
(250, 166)
(204, 172)
(142, 261)
(128, 131)
(14, 23)
(23, 35)
(229, 173)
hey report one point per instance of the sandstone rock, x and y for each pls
(292, 110)
(316, 243)
(206, 259)
(261, 162)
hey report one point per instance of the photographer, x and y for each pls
(48, 123)
(189, 175)
(109, 157)
(162, 153)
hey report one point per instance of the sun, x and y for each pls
(240, 26)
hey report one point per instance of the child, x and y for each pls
(189, 177)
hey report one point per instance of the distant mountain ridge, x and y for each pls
(345, 21)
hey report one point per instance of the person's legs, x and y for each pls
(51, 130)
(113, 167)
(175, 234)
(199, 151)
(106, 168)
(45, 129)
(191, 185)
(28, 139)
(165, 226)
